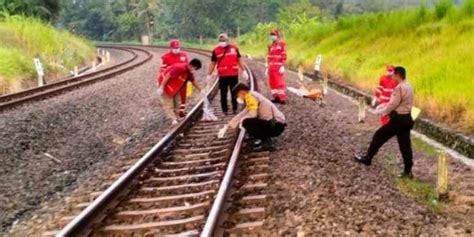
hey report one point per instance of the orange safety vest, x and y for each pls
(227, 60)
(179, 74)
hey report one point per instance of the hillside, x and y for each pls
(435, 45)
(24, 38)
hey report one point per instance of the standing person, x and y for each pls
(260, 118)
(172, 81)
(384, 91)
(400, 123)
(226, 57)
(176, 55)
(276, 67)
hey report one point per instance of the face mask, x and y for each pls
(176, 51)
(274, 37)
(240, 100)
(222, 44)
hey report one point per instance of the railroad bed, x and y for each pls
(180, 187)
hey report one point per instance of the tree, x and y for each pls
(147, 11)
(290, 13)
(47, 10)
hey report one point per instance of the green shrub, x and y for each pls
(24, 38)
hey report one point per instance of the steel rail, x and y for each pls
(15, 99)
(89, 215)
(93, 212)
(225, 186)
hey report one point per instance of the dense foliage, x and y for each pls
(434, 44)
(45, 9)
(127, 20)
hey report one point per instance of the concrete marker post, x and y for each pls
(76, 71)
(317, 68)
(94, 65)
(442, 182)
(39, 71)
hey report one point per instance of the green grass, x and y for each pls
(24, 38)
(422, 192)
(434, 45)
(421, 146)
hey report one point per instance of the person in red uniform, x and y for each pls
(172, 81)
(176, 55)
(226, 58)
(276, 67)
(384, 91)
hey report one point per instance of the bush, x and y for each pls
(24, 38)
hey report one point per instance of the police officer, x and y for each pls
(400, 124)
(260, 118)
(226, 58)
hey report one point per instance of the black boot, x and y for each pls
(363, 159)
(406, 175)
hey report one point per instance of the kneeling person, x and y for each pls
(171, 81)
(260, 118)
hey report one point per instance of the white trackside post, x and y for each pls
(107, 56)
(76, 71)
(362, 108)
(39, 71)
(94, 65)
(317, 68)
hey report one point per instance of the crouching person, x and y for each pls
(261, 118)
(172, 81)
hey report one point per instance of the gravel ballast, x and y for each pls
(317, 189)
(47, 146)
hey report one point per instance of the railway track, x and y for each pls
(138, 57)
(181, 187)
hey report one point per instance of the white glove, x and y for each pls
(222, 132)
(160, 91)
(380, 110)
(245, 75)
(282, 70)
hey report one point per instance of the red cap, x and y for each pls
(174, 44)
(390, 68)
(275, 32)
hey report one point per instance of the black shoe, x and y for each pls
(276, 100)
(235, 112)
(257, 142)
(406, 175)
(268, 145)
(363, 159)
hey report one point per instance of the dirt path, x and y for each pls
(48, 147)
(317, 189)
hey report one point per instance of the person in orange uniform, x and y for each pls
(172, 81)
(276, 67)
(176, 55)
(226, 58)
(384, 91)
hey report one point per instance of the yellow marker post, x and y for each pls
(442, 184)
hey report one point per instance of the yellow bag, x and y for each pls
(189, 89)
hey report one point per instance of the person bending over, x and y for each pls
(171, 81)
(400, 124)
(261, 118)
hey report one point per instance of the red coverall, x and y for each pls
(383, 92)
(170, 59)
(276, 59)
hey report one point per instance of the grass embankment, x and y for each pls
(24, 38)
(435, 45)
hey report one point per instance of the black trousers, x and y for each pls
(262, 129)
(399, 126)
(226, 84)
